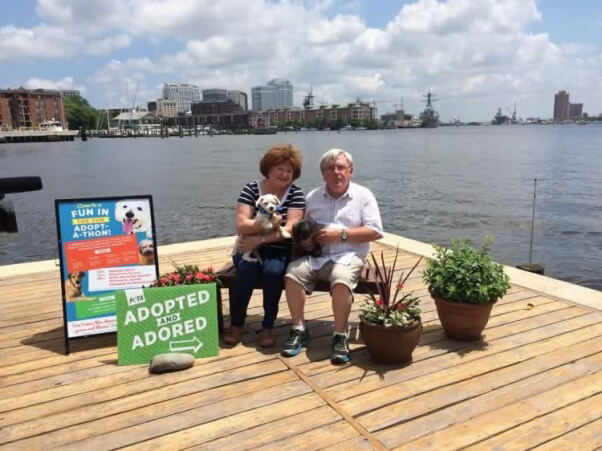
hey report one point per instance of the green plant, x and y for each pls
(463, 273)
(186, 275)
(384, 309)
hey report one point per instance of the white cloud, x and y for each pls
(464, 50)
(64, 83)
(107, 45)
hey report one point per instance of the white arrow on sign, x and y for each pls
(186, 345)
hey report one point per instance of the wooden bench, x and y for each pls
(366, 285)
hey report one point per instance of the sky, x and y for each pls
(475, 55)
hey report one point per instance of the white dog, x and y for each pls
(134, 215)
(266, 205)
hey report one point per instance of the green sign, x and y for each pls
(152, 321)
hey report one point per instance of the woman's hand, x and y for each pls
(247, 243)
(276, 220)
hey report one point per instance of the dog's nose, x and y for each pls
(129, 215)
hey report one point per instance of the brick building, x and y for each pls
(27, 108)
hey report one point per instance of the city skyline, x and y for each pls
(477, 56)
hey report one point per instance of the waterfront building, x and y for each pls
(561, 106)
(278, 93)
(215, 95)
(356, 113)
(138, 120)
(166, 108)
(183, 94)
(70, 92)
(239, 97)
(28, 108)
(575, 110)
(220, 114)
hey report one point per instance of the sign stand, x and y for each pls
(105, 244)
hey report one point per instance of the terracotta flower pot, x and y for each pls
(462, 321)
(393, 344)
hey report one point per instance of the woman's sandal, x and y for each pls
(232, 336)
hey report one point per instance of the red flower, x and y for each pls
(401, 306)
(379, 302)
(175, 277)
(163, 280)
(201, 276)
(188, 277)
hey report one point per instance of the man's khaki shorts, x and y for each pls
(300, 271)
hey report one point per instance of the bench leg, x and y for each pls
(220, 314)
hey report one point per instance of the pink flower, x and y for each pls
(401, 306)
(163, 280)
(175, 277)
(189, 277)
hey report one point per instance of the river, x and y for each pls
(431, 185)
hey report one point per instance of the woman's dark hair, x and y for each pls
(281, 153)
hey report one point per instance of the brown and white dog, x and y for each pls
(146, 252)
(73, 286)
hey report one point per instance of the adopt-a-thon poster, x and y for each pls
(105, 245)
(180, 318)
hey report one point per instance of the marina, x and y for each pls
(534, 380)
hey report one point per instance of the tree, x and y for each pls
(79, 113)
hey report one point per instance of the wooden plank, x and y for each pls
(357, 443)
(588, 437)
(323, 436)
(108, 378)
(471, 351)
(86, 425)
(269, 433)
(202, 425)
(466, 380)
(546, 428)
(401, 376)
(480, 426)
(473, 397)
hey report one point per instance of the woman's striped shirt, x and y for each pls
(293, 199)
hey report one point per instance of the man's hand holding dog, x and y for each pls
(329, 236)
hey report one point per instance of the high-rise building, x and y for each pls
(183, 94)
(575, 110)
(561, 106)
(215, 95)
(278, 93)
(239, 97)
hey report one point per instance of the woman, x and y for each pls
(280, 166)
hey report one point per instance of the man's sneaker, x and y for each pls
(340, 350)
(296, 340)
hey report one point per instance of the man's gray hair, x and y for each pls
(333, 154)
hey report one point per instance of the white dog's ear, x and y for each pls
(258, 203)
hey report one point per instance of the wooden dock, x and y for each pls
(535, 381)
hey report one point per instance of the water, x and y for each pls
(431, 185)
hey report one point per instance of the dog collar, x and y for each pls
(263, 211)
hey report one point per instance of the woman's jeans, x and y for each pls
(271, 273)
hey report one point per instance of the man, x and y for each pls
(350, 218)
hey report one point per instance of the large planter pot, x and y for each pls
(393, 344)
(462, 321)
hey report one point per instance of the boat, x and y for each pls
(51, 126)
(500, 119)
(429, 118)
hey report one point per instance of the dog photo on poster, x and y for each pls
(105, 244)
